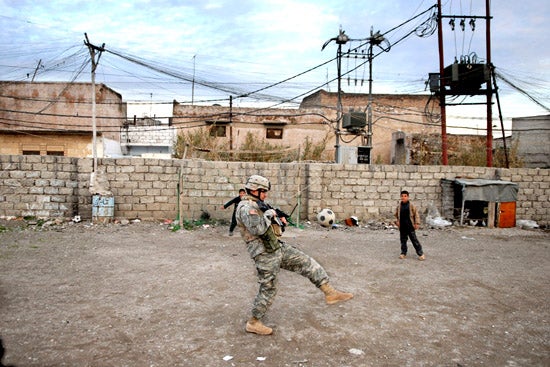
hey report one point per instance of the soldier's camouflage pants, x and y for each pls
(288, 258)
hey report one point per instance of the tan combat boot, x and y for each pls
(257, 327)
(333, 296)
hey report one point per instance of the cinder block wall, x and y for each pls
(149, 189)
(40, 186)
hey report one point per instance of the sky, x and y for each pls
(269, 52)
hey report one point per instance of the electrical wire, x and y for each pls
(424, 29)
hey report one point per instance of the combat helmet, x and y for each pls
(256, 182)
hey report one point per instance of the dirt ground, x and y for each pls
(78, 294)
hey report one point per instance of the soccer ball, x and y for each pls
(326, 217)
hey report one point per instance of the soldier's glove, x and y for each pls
(270, 213)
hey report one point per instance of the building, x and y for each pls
(315, 121)
(148, 138)
(52, 118)
(56, 119)
(287, 130)
(531, 135)
(391, 113)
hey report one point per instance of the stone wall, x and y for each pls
(149, 188)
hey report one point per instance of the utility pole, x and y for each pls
(444, 156)
(93, 50)
(341, 39)
(374, 40)
(36, 70)
(464, 83)
(339, 106)
(231, 123)
(489, 88)
(193, 83)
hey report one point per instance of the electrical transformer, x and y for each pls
(463, 78)
(354, 120)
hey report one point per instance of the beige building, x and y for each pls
(391, 113)
(54, 118)
(316, 120)
(287, 129)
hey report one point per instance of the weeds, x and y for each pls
(201, 143)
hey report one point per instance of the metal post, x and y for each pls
(94, 128)
(92, 49)
(339, 103)
(193, 83)
(341, 39)
(369, 105)
(444, 157)
(489, 89)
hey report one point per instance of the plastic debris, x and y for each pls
(524, 223)
(438, 222)
(351, 221)
(434, 219)
(357, 352)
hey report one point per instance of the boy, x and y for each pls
(235, 201)
(408, 222)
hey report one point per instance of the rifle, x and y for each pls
(280, 214)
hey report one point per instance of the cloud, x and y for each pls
(251, 43)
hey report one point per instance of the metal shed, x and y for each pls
(492, 191)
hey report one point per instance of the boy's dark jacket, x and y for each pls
(415, 217)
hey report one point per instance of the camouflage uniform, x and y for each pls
(253, 223)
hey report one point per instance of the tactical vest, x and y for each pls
(270, 239)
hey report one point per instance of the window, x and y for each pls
(218, 131)
(54, 152)
(274, 133)
(42, 149)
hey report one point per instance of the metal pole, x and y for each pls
(299, 194)
(94, 128)
(231, 123)
(493, 75)
(92, 49)
(341, 39)
(489, 89)
(193, 84)
(444, 158)
(369, 106)
(339, 104)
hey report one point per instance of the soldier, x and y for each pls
(261, 232)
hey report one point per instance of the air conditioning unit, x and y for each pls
(354, 120)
